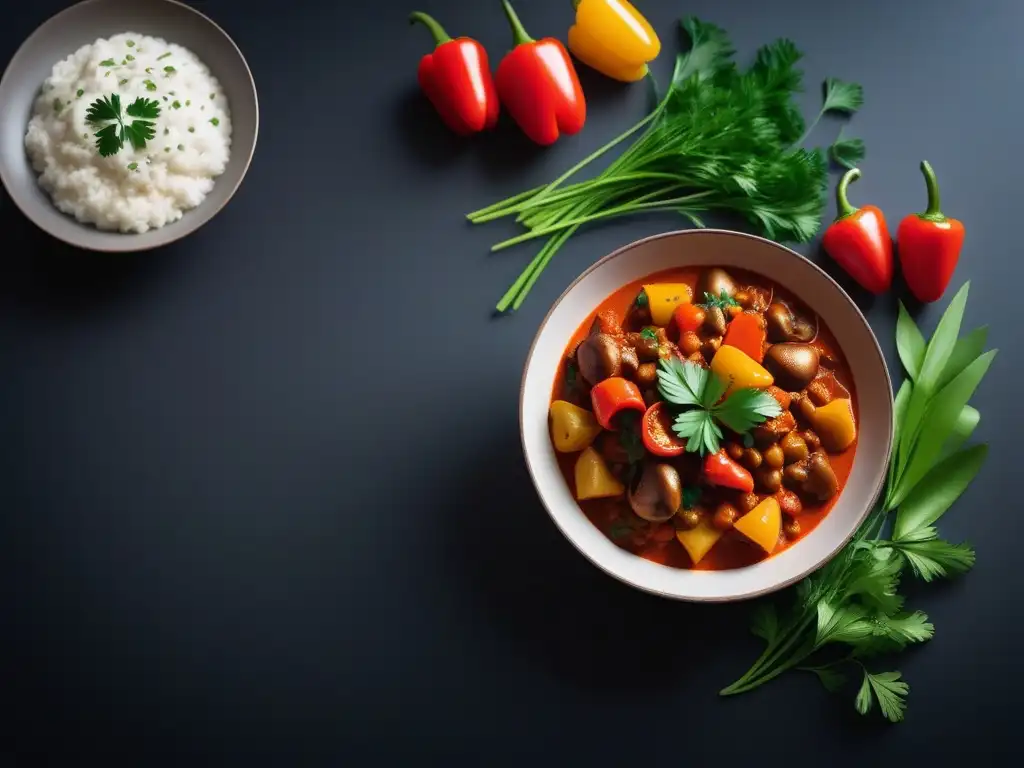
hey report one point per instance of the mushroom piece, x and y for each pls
(793, 365)
(784, 325)
(813, 477)
(599, 357)
(716, 282)
(714, 321)
(658, 494)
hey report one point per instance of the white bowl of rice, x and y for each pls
(139, 129)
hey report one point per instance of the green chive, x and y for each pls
(163, 56)
(108, 63)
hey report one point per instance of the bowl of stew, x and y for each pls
(706, 415)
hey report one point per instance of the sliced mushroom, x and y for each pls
(646, 346)
(599, 357)
(793, 365)
(785, 325)
(716, 281)
(658, 494)
(813, 477)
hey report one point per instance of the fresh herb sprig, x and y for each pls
(846, 152)
(723, 301)
(851, 611)
(116, 130)
(722, 138)
(688, 385)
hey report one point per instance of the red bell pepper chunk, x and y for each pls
(859, 240)
(748, 334)
(688, 317)
(612, 396)
(929, 245)
(722, 471)
(656, 432)
(456, 78)
(539, 87)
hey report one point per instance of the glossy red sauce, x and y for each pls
(657, 541)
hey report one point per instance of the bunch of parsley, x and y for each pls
(720, 139)
(850, 612)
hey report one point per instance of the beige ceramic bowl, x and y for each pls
(84, 23)
(822, 295)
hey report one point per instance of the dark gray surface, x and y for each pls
(262, 493)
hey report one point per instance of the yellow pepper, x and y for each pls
(612, 37)
(663, 298)
(739, 369)
(762, 524)
(593, 478)
(572, 427)
(698, 541)
(835, 425)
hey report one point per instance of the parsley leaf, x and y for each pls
(722, 301)
(847, 152)
(697, 428)
(111, 137)
(641, 298)
(841, 96)
(932, 558)
(647, 333)
(681, 382)
(765, 622)
(831, 679)
(746, 408)
(888, 690)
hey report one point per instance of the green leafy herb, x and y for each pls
(130, 43)
(122, 81)
(686, 384)
(191, 129)
(831, 679)
(133, 166)
(647, 333)
(181, 147)
(115, 129)
(691, 496)
(58, 105)
(215, 122)
(641, 298)
(170, 70)
(847, 152)
(721, 138)
(129, 57)
(854, 601)
(722, 301)
(176, 104)
(163, 56)
(150, 85)
(80, 93)
(108, 63)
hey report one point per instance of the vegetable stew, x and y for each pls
(704, 419)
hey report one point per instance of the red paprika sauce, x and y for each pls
(657, 541)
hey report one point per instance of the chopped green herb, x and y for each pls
(191, 129)
(108, 63)
(641, 299)
(214, 122)
(58, 105)
(171, 92)
(123, 62)
(213, 96)
(133, 166)
(129, 57)
(80, 93)
(647, 333)
(176, 104)
(163, 56)
(188, 102)
(149, 70)
(166, 131)
(165, 98)
(722, 301)
(170, 70)
(167, 149)
(150, 85)
(122, 81)
(106, 74)
(181, 147)
(130, 43)
(691, 496)
(115, 129)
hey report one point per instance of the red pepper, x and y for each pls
(539, 86)
(612, 396)
(859, 240)
(456, 78)
(688, 317)
(657, 435)
(929, 245)
(747, 333)
(722, 471)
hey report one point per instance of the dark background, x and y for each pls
(262, 498)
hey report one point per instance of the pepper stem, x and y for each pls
(576, 4)
(519, 35)
(932, 212)
(843, 207)
(440, 36)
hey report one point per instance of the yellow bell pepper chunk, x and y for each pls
(572, 428)
(739, 369)
(698, 541)
(593, 478)
(614, 38)
(663, 298)
(835, 424)
(762, 524)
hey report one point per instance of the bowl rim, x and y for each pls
(54, 19)
(813, 566)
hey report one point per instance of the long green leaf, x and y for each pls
(965, 351)
(910, 343)
(899, 413)
(938, 490)
(942, 342)
(963, 428)
(938, 422)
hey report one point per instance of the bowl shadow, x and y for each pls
(863, 298)
(532, 587)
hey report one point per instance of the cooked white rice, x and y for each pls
(133, 190)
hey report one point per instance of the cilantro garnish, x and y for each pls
(722, 301)
(687, 384)
(647, 333)
(116, 130)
